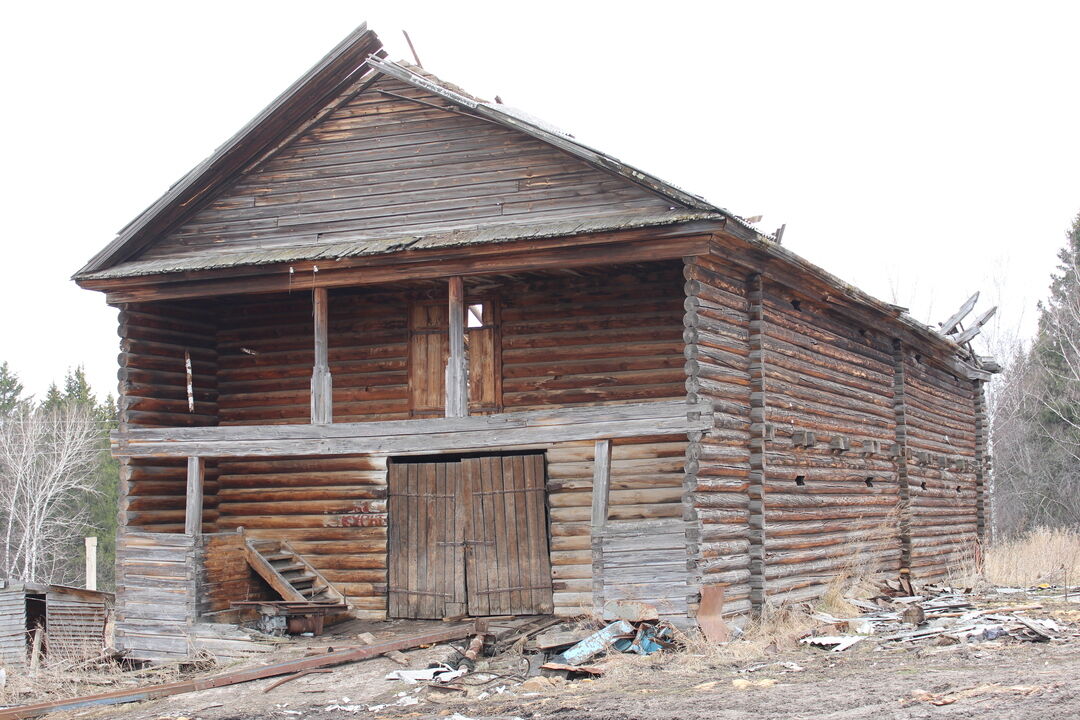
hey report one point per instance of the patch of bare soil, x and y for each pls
(1001, 680)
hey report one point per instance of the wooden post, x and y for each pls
(600, 490)
(457, 379)
(196, 467)
(91, 563)
(322, 395)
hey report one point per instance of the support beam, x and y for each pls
(531, 428)
(196, 470)
(601, 487)
(322, 394)
(91, 562)
(457, 378)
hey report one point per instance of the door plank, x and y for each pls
(535, 477)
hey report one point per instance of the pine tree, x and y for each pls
(10, 390)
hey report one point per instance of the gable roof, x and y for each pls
(356, 63)
(311, 92)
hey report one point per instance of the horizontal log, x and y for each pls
(419, 436)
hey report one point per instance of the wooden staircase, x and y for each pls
(288, 573)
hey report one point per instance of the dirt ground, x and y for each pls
(997, 679)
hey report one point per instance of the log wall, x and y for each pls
(153, 393)
(155, 594)
(224, 577)
(717, 481)
(940, 412)
(831, 491)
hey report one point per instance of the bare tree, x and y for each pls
(47, 464)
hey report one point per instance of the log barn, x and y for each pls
(423, 354)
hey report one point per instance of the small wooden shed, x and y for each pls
(431, 356)
(73, 621)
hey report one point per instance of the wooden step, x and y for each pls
(291, 576)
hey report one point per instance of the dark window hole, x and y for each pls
(800, 480)
(957, 488)
(923, 485)
(869, 482)
(796, 304)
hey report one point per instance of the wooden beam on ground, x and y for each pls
(457, 379)
(455, 632)
(196, 469)
(321, 383)
(601, 486)
(422, 436)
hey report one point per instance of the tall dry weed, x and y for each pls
(1044, 555)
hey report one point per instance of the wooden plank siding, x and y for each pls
(383, 166)
(155, 594)
(13, 629)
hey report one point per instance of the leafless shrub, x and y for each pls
(47, 462)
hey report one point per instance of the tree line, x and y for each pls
(58, 482)
(1035, 412)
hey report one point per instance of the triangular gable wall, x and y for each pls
(382, 166)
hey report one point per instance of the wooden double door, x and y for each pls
(468, 536)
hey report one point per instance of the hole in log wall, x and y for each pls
(869, 482)
(800, 480)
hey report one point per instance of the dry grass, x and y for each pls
(1042, 556)
(67, 673)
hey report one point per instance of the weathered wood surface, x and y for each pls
(155, 594)
(153, 393)
(13, 630)
(76, 623)
(646, 476)
(469, 535)
(507, 561)
(224, 575)
(384, 166)
(457, 376)
(196, 471)
(428, 517)
(941, 451)
(717, 480)
(421, 436)
(322, 394)
(831, 501)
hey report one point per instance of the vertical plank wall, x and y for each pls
(831, 492)
(717, 501)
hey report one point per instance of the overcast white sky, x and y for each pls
(920, 150)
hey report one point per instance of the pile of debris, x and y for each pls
(939, 614)
(542, 652)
